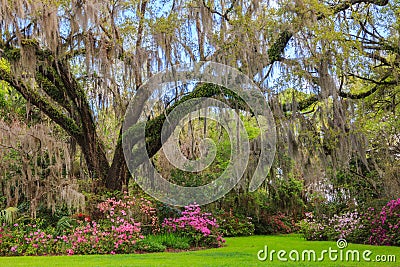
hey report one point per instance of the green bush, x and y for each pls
(230, 225)
(170, 240)
(148, 245)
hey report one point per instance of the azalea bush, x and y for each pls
(334, 228)
(199, 226)
(231, 225)
(96, 239)
(386, 227)
(117, 232)
(367, 227)
(129, 209)
(342, 226)
(278, 223)
(29, 239)
(312, 229)
(89, 238)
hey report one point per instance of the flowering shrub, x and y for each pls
(386, 227)
(92, 239)
(119, 231)
(339, 226)
(230, 225)
(29, 239)
(312, 229)
(366, 227)
(128, 209)
(84, 239)
(274, 224)
(201, 227)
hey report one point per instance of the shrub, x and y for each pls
(230, 225)
(26, 240)
(366, 227)
(130, 209)
(344, 225)
(170, 240)
(362, 234)
(339, 226)
(200, 227)
(148, 245)
(274, 224)
(386, 227)
(118, 232)
(94, 239)
(312, 229)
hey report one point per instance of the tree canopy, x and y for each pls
(329, 70)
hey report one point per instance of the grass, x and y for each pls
(239, 251)
(169, 240)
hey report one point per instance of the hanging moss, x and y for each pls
(154, 126)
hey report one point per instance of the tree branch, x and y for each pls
(278, 47)
(43, 104)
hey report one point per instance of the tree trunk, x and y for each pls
(118, 173)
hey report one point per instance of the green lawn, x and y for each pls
(239, 251)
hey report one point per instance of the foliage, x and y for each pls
(386, 227)
(149, 246)
(37, 168)
(334, 228)
(160, 242)
(118, 232)
(130, 209)
(66, 223)
(362, 234)
(275, 224)
(364, 227)
(201, 227)
(312, 229)
(9, 215)
(72, 236)
(233, 225)
(94, 239)
(169, 240)
(29, 239)
(165, 211)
